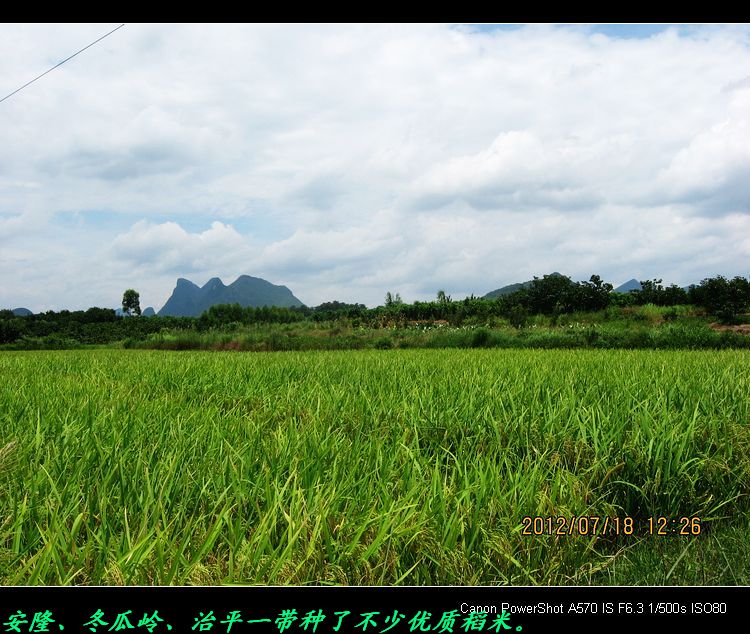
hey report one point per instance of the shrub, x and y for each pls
(481, 338)
(384, 343)
(518, 316)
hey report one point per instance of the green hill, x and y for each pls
(190, 300)
(512, 288)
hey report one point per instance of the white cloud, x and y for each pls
(713, 170)
(517, 172)
(167, 247)
(344, 161)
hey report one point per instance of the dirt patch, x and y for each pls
(743, 329)
(230, 345)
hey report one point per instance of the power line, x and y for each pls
(60, 64)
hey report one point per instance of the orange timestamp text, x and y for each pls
(597, 525)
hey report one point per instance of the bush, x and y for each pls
(722, 297)
(384, 343)
(481, 338)
(518, 316)
(591, 336)
(11, 330)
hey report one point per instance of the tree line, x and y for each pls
(550, 295)
(558, 294)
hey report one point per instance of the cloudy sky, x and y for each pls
(347, 161)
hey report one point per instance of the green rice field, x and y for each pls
(375, 467)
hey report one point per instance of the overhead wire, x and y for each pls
(60, 63)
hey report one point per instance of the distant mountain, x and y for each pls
(630, 285)
(22, 312)
(635, 285)
(190, 300)
(512, 288)
(147, 312)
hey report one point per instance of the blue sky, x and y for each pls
(624, 31)
(345, 161)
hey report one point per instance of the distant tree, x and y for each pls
(393, 300)
(443, 298)
(594, 294)
(722, 297)
(335, 309)
(11, 329)
(131, 302)
(548, 295)
(674, 295)
(518, 316)
(96, 315)
(651, 292)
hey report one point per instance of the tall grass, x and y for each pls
(371, 467)
(687, 333)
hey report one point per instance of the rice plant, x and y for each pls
(370, 467)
